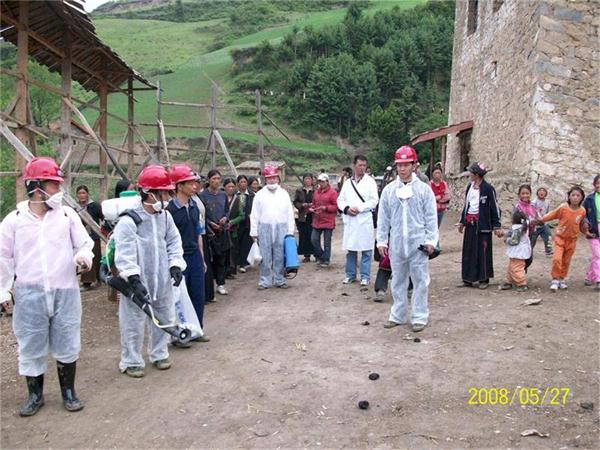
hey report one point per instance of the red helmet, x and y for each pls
(405, 154)
(270, 171)
(181, 173)
(42, 168)
(155, 177)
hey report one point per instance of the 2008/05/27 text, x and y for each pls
(532, 396)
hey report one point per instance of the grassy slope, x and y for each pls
(191, 80)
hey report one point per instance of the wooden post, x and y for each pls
(130, 141)
(158, 118)
(21, 105)
(261, 139)
(103, 135)
(443, 141)
(432, 156)
(213, 126)
(65, 111)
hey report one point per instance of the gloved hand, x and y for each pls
(176, 275)
(138, 288)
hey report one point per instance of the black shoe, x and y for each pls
(66, 378)
(35, 386)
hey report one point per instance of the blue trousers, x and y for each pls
(322, 254)
(365, 264)
(194, 281)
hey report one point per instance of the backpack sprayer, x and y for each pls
(113, 209)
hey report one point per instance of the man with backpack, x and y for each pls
(149, 255)
(41, 245)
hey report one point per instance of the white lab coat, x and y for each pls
(358, 230)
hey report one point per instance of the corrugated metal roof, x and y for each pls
(92, 61)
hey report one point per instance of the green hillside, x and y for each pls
(161, 45)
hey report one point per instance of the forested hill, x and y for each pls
(384, 76)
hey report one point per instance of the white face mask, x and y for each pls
(405, 192)
(55, 200)
(272, 187)
(158, 205)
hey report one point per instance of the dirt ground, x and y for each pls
(287, 369)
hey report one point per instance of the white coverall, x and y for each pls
(149, 250)
(271, 219)
(408, 223)
(41, 253)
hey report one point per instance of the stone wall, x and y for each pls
(566, 109)
(528, 78)
(493, 81)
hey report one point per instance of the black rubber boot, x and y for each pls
(35, 386)
(66, 378)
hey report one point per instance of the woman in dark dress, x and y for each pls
(480, 217)
(303, 202)
(239, 219)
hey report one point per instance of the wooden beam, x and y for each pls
(158, 118)
(225, 152)
(163, 140)
(101, 144)
(261, 142)
(103, 135)
(66, 145)
(213, 125)
(21, 87)
(172, 125)
(191, 105)
(130, 120)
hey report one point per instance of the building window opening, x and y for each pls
(472, 11)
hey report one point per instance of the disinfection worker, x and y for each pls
(271, 219)
(408, 218)
(41, 245)
(149, 255)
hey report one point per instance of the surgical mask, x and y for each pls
(405, 192)
(272, 187)
(158, 205)
(55, 200)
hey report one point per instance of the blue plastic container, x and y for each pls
(290, 251)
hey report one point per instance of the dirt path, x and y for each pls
(286, 369)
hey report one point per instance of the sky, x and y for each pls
(90, 5)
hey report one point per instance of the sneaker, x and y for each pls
(211, 300)
(323, 264)
(506, 286)
(282, 286)
(306, 259)
(203, 338)
(523, 288)
(549, 252)
(588, 282)
(242, 270)
(416, 327)
(554, 285)
(364, 282)
(134, 372)
(562, 285)
(162, 364)
(262, 288)
(348, 280)
(390, 324)
(483, 285)
(221, 290)
(379, 296)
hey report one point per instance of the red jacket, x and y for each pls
(324, 219)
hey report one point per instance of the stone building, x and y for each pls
(525, 72)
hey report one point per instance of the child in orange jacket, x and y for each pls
(571, 221)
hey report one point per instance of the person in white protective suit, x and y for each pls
(271, 219)
(41, 245)
(149, 255)
(408, 218)
(357, 201)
